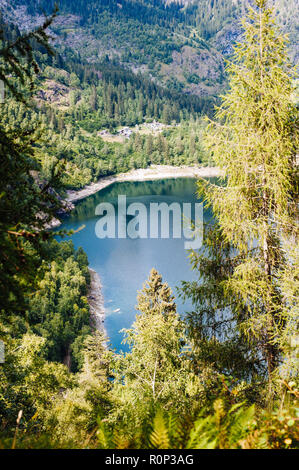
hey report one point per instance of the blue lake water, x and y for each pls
(124, 264)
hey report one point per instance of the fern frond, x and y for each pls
(104, 437)
(202, 436)
(120, 441)
(159, 438)
(240, 425)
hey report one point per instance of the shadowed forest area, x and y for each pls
(224, 374)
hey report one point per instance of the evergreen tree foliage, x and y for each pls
(17, 60)
(26, 206)
(59, 310)
(74, 415)
(254, 142)
(214, 323)
(157, 370)
(196, 382)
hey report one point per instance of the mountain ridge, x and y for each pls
(181, 44)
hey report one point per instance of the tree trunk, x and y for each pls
(270, 350)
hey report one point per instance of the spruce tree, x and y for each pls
(156, 371)
(213, 323)
(18, 63)
(27, 204)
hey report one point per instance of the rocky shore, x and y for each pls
(154, 172)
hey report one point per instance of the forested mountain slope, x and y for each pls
(181, 44)
(81, 108)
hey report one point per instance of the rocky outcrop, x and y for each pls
(54, 93)
(201, 71)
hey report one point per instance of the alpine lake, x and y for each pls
(124, 264)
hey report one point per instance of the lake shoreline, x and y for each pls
(154, 172)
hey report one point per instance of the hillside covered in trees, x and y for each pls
(76, 102)
(181, 45)
(224, 375)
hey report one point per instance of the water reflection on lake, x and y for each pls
(124, 264)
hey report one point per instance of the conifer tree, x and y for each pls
(156, 371)
(17, 58)
(254, 142)
(212, 327)
(26, 204)
(73, 415)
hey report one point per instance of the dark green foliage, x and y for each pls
(71, 150)
(134, 24)
(211, 16)
(142, 34)
(17, 58)
(59, 310)
(215, 323)
(197, 382)
(26, 205)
